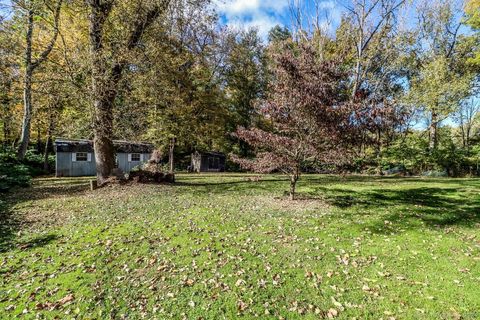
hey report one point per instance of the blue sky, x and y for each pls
(265, 14)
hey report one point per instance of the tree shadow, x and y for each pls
(9, 226)
(232, 185)
(39, 241)
(433, 206)
(11, 223)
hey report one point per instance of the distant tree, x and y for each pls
(310, 117)
(467, 117)
(245, 78)
(371, 21)
(279, 34)
(438, 90)
(440, 77)
(181, 82)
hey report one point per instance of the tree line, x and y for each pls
(391, 87)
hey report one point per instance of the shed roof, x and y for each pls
(83, 145)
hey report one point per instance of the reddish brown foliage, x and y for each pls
(310, 115)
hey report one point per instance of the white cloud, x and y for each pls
(260, 14)
(266, 14)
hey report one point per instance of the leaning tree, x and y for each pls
(310, 114)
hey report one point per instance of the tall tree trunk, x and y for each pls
(356, 77)
(171, 150)
(103, 140)
(103, 121)
(27, 90)
(27, 116)
(378, 153)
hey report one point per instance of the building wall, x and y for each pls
(127, 166)
(66, 167)
(204, 167)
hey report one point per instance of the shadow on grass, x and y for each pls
(434, 206)
(39, 241)
(11, 224)
(239, 184)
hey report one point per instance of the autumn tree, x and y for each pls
(32, 11)
(180, 82)
(310, 116)
(439, 91)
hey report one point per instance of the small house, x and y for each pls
(208, 162)
(76, 158)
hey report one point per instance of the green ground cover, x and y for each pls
(224, 247)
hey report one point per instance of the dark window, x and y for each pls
(81, 156)
(135, 157)
(213, 163)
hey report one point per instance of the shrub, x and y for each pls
(13, 173)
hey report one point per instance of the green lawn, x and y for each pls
(223, 247)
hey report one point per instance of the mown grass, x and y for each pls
(223, 247)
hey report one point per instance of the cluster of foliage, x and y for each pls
(14, 172)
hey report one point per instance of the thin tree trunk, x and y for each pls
(48, 139)
(46, 166)
(433, 132)
(357, 78)
(39, 140)
(293, 183)
(378, 152)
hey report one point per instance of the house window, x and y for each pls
(213, 163)
(135, 157)
(81, 156)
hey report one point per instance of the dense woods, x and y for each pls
(391, 88)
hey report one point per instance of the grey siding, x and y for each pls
(66, 167)
(127, 166)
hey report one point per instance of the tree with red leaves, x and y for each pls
(311, 116)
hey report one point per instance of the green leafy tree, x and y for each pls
(472, 10)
